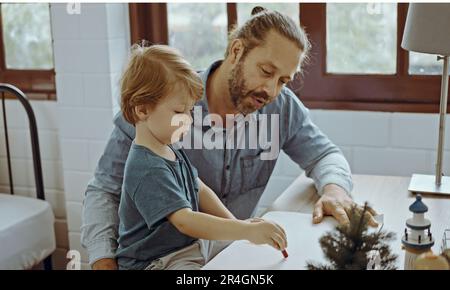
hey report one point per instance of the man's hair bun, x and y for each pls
(258, 9)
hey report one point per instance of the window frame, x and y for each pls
(36, 84)
(149, 21)
(400, 92)
(318, 89)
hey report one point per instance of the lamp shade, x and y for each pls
(427, 28)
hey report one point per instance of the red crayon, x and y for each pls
(285, 254)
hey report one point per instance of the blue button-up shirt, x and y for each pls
(237, 174)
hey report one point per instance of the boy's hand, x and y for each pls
(105, 264)
(261, 231)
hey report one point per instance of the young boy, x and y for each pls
(167, 214)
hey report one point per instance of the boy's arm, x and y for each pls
(159, 196)
(208, 227)
(209, 202)
(205, 226)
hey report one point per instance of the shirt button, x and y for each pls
(227, 167)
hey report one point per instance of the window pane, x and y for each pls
(290, 9)
(27, 36)
(199, 31)
(424, 64)
(361, 38)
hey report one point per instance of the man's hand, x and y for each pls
(105, 264)
(337, 203)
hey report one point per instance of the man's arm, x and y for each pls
(102, 197)
(322, 161)
(310, 148)
(209, 202)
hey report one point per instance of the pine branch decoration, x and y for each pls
(348, 247)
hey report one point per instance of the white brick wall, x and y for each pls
(90, 50)
(374, 143)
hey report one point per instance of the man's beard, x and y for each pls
(240, 96)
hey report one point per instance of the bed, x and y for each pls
(26, 224)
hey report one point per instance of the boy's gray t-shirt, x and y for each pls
(153, 188)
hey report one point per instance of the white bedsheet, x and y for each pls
(26, 231)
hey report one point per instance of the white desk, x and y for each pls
(388, 195)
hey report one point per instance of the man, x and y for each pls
(262, 56)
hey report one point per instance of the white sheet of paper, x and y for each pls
(303, 246)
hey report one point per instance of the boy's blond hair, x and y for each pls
(151, 73)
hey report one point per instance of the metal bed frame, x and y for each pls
(14, 91)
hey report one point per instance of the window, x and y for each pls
(199, 31)
(356, 79)
(361, 38)
(26, 28)
(356, 60)
(424, 64)
(26, 53)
